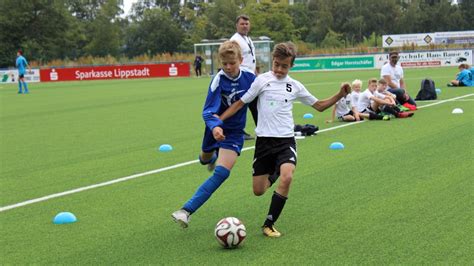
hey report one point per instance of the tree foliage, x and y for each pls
(48, 30)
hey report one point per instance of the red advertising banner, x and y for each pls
(115, 72)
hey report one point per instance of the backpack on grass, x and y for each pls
(427, 91)
(306, 130)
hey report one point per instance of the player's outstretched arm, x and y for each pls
(236, 106)
(333, 115)
(322, 105)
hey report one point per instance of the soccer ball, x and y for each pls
(230, 232)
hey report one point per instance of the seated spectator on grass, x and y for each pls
(463, 78)
(364, 105)
(344, 110)
(356, 87)
(384, 101)
(393, 74)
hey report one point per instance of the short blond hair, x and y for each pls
(382, 81)
(357, 82)
(230, 49)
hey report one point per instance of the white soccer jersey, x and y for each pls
(395, 73)
(355, 98)
(343, 106)
(248, 51)
(379, 95)
(364, 100)
(275, 103)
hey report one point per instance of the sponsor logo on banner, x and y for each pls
(333, 63)
(11, 75)
(425, 39)
(428, 58)
(116, 72)
(399, 40)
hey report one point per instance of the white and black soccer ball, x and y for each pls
(230, 232)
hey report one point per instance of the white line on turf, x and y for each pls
(122, 179)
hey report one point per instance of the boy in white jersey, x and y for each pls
(344, 111)
(275, 149)
(387, 101)
(356, 87)
(367, 104)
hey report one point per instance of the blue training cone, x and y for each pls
(308, 116)
(165, 148)
(64, 218)
(336, 146)
(438, 90)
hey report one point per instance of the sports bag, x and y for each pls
(427, 91)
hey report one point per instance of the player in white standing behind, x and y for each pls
(242, 25)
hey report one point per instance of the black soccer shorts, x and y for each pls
(271, 153)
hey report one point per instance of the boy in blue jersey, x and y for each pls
(227, 87)
(463, 78)
(21, 64)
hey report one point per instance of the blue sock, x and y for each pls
(26, 87)
(205, 191)
(19, 86)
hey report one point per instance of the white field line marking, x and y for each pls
(122, 179)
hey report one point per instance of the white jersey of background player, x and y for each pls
(245, 43)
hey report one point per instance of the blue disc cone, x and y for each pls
(336, 146)
(165, 148)
(64, 218)
(308, 116)
(438, 91)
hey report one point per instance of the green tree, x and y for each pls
(466, 8)
(40, 28)
(272, 20)
(104, 31)
(221, 19)
(156, 33)
(333, 40)
(301, 18)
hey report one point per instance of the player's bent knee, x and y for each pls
(285, 180)
(349, 118)
(259, 190)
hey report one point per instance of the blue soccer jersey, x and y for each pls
(223, 92)
(21, 64)
(472, 75)
(465, 76)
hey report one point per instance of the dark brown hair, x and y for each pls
(284, 50)
(242, 16)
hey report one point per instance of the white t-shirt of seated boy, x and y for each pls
(343, 106)
(380, 95)
(364, 100)
(395, 73)
(355, 98)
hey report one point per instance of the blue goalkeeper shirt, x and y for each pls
(21, 64)
(223, 92)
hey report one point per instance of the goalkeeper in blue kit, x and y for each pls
(21, 64)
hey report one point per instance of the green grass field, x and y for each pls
(401, 192)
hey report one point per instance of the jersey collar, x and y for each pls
(233, 79)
